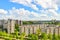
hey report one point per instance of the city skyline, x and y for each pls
(30, 9)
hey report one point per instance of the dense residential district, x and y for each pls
(29, 30)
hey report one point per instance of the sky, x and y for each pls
(30, 9)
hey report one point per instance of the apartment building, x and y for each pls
(29, 29)
(9, 27)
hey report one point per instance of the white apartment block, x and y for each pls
(9, 27)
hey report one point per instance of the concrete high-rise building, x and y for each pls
(11, 26)
(1, 25)
(19, 22)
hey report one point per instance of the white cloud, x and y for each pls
(50, 14)
(52, 4)
(51, 7)
(3, 14)
(25, 14)
(47, 4)
(57, 2)
(26, 3)
(2, 11)
(53, 12)
(21, 14)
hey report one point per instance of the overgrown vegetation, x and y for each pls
(38, 36)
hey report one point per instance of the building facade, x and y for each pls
(32, 29)
(9, 27)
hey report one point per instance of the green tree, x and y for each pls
(38, 32)
(59, 36)
(32, 37)
(27, 22)
(44, 36)
(1, 33)
(17, 34)
(55, 37)
(50, 36)
(22, 36)
(16, 27)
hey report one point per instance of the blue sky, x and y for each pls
(30, 9)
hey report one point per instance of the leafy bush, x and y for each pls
(32, 37)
